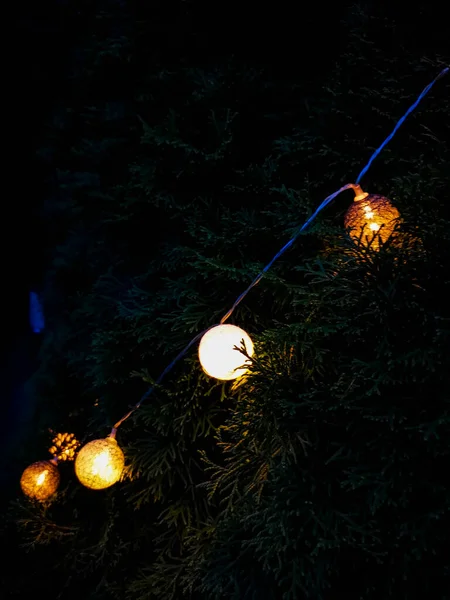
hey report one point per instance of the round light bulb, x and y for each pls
(217, 353)
(99, 464)
(371, 219)
(40, 480)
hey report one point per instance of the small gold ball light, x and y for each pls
(64, 446)
(40, 480)
(99, 464)
(371, 218)
(218, 355)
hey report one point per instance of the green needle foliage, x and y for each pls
(322, 473)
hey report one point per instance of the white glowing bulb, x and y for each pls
(374, 226)
(101, 466)
(41, 478)
(218, 356)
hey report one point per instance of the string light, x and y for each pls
(64, 446)
(219, 355)
(40, 480)
(99, 464)
(371, 219)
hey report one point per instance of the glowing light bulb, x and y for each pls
(371, 219)
(99, 464)
(40, 480)
(102, 466)
(218, 356)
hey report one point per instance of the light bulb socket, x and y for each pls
(359, 194)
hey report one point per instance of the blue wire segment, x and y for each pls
(333, 196)
(283, 250)
(400, 122)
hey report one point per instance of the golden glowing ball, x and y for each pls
(371, 219)
(40, 480)
(218, 356)
(99, 464)
(64, 446)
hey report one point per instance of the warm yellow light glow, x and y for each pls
(217, 355)
(99, 464)
(371, 219)
(102, 466)
(40, 480)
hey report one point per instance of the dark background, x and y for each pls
(40, 42)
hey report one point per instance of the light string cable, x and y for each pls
(257, 279)
(400, 122)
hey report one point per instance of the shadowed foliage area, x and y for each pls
(184, 150)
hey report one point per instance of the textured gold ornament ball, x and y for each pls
(40, 480)
(99, 464)
(371, 220)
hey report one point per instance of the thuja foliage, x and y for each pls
(324, 472)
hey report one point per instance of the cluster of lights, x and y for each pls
(99, 464)
(370, 221)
